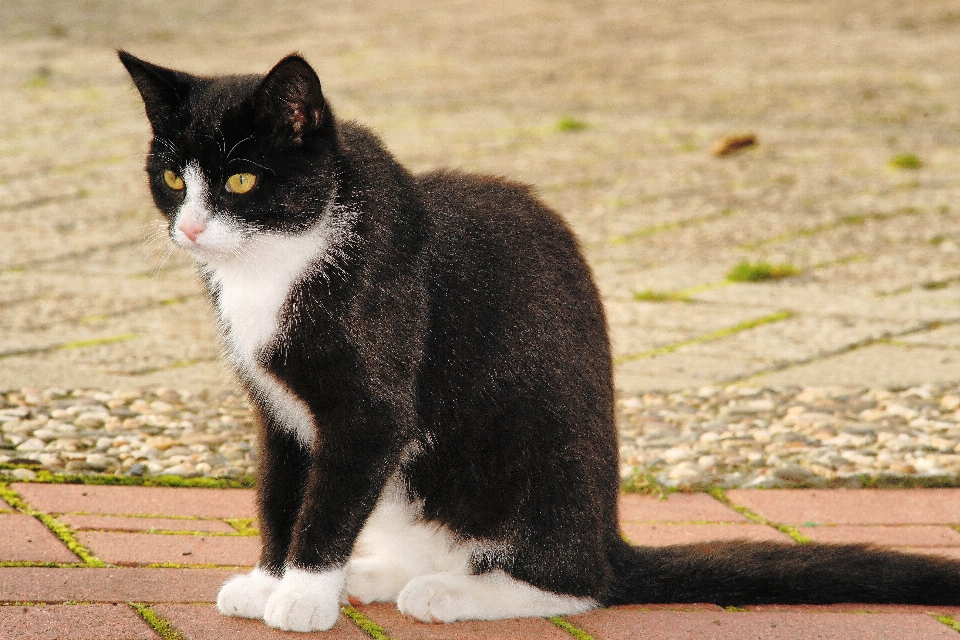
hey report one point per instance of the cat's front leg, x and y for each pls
(284, 469)
(350, 465)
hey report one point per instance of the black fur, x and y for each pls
(462, 323)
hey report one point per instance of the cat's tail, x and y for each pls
(743, 573)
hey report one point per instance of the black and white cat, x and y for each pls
(428, 359)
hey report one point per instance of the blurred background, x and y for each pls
(765, 189)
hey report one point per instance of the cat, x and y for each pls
(428, 359)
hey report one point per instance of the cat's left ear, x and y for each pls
(291, 104)
(163, 90)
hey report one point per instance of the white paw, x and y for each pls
(246, 596)
(305, 600)
(438, 598)
(374, 580)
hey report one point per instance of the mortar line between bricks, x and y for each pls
(570, 628)
(950, 621)
(720, 495)
(60, 530)
(65, 346)
(365, 624)
(708, 337)
(868, 342)
(162, 626)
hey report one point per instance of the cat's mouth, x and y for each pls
(212, 240)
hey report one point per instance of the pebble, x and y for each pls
(136, 433)
(729, 437)
(791, 437)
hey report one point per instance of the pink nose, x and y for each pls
(191, 229)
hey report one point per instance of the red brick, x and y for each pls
(76, 622)
(943, 552)
(204, 622)
(127, 523)
(25, 538)
(44, 584)
(911, 535)
(677, 507)
(400, 627)
(853, 506)
(858, 608)
(153, 501)
(149, 548)
(658, 535)
(5, 507)
(626, 624)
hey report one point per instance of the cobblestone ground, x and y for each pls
(610, 108)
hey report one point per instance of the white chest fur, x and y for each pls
(253, 289)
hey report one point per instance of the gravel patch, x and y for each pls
(739, 437)
(729, 437)
(133, 433)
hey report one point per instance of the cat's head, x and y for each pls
(236, 157)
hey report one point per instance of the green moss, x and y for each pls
(649, 295)
(708, 337)
(163, 628)
(569, 124)
(949, 621)
(721, 496)
(670, 226)
(761, 271)
(46, 477)
(905, 161)
(576, 632)
(59, 529)
(244, 526)
(733, 609)
(645, 484)
(366, 625)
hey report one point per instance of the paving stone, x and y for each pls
(909, 535)
(158, 501)
(401, 627)
(657, 535)
(677, 507)
(854, 607)
(25, 538)
(624, 623)
(5, 507)
(74, 622)
(44, 584)
(123, 523)
(204, 622)
(150, 548)
(943, 552)
(853, 506)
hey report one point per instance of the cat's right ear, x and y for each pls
(163, 90)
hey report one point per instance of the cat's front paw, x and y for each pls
(439, 598)
(246, 596)
(305, 600)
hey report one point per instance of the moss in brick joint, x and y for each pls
(950, 621)
(366, 625)
(720, 495)
(576, 632)
(163, 628)
(46, 477)
(59, 529)
(244, 526)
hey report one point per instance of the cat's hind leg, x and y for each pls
(448, 597)
(395, 546)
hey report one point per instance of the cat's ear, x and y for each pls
(163, 90)
(290, 103)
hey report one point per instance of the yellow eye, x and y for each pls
(173, 181)
(241, 182)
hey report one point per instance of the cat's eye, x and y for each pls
(241, 182)
(173, 181)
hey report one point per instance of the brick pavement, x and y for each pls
(154, 558)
